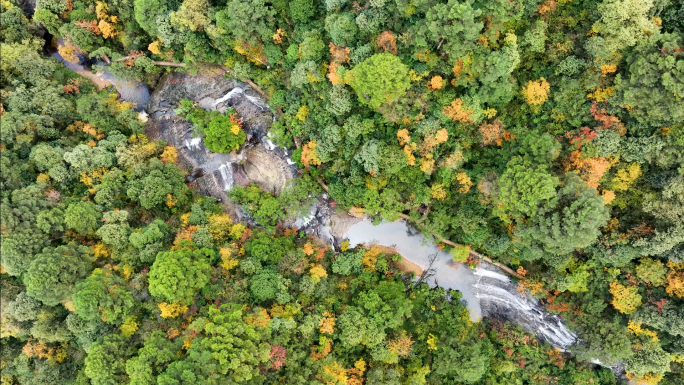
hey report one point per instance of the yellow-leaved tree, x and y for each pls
(626, 299)
(536, 92)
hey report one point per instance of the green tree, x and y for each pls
(460, 356)
(105, 363)
(649, 358)
(103, 295)
(651, 271)
(653, 86)
(302, 10)
(239, 347)
(339, 101)
(15, 26)
(48, 19)
(107, 115)
(452, 26)
(156, 354)
(305, 73)
(83, 217)
(111, 188)
(524, 189)
(669, 318)
(85, 332)
(150, 240)
(269, 285)
(267, 249)
(146, 12)
(50, 328)
(192, 14)
(385, 303)
(248, 21)
(622, 24)
(53, 274)
(357, 329)
(49, 158)
(84, 158)
(341, 28)
(152, 183)
(265, 208)
(177, 276)
(199, 367)
(539, 149)
(36, 371)
(312, 47)
(572, 219)
(222, 135)
(115, 230)
(24, 307)
(380, 79)
(21, 240)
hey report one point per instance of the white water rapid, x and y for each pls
(485, 291)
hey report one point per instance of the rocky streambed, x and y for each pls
(485, 290)
(258, 161)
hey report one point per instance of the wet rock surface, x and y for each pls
(499, 298)
(258, 161)
(486, 291)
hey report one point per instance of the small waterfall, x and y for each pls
(226, 171)
(485, 290)
(491, 274)
(269, 144)
(234, 92)
(500, 298)
(240, 91)
(193, 144)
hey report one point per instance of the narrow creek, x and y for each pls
(485, 290)
(129, 90)
(414, 247)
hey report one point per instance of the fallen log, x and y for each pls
(474, 253)
(159, 63)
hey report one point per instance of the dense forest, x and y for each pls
(545, 134)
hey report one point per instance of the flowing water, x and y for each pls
(129, 90)
(414, 247)
(485, 291)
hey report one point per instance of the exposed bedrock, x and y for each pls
(259, 161)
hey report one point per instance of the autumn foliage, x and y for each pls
(457, 111)
(309, 156)
(626, 299)
(536, 92)
(435, 83)
(491, 133)
(387, 42)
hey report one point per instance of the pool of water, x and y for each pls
(129, 90)
(416, 248)
(485, 290)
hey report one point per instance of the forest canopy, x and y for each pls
(547, 135)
